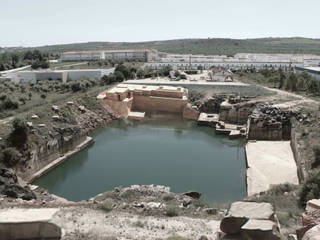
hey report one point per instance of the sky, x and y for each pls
(31, 23)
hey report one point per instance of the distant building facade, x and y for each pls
(238, 61)
(124, 99)
(58, 75)
(313, 71)
(145, 55)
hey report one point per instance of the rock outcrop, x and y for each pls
(310, 218)
(312, 234)
(251, 220)
(10, 187)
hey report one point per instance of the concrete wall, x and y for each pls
(60, 76)
(77, 75)
(236, 115)
(302, 173)
(152, 104)
(118, 108)
(24, 77)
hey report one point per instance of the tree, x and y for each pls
(19, 134)
(293, 80)
(282, 78)
(14, 59)
(10, 157)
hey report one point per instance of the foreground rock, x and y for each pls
(312, 234)
(310, 218)
(260, 229)
(10, 187)
(30, 224)
(252, 220)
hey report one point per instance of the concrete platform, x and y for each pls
(28, 224)
(269, 163)
(136, 115)
(207, 119)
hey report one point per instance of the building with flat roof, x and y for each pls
(126, 100)
(144, 55)
(313, 71)
(58, 75)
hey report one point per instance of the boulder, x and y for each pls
(313, 205)
(301, 231)
(34, 116)
(16, 191)
(292, 237)
(192, 194)
(30, 224)
(240, 212)
(55, 108)
(312, 234)
(211, 211)
(260, 229)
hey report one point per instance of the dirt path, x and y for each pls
(85, 223)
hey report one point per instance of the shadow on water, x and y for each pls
(172, 152)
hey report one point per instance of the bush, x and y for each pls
(18, 136)
(75, 87)
(167, 197)
(107, 205)
(311, 188)
(10, 157)
(172, 211)
(8, 103)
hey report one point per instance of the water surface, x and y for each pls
(178, 154)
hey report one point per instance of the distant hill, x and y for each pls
(204, 46)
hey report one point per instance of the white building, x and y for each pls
(145, 55)
(313, 71)
(59, 75)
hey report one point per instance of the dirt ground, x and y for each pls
(86, 223)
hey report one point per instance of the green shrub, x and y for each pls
(172, 211)
(10, 157)
(107, 205)
(167, 197)
(198, 203)
(18, 136)
(311, 188)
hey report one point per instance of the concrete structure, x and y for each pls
(269, 163)
(144, 55)
(313, 71)
(59, 75)
(22, 224)
(238, 61)
(125, 98)
(221, 75)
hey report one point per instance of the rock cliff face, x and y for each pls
(269, 123)
(54, 141)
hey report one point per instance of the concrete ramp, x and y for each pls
(269, 163)
(23, 224)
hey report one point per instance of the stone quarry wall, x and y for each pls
(269, 123)
(235, 114)
(47, 151)
(150, 104)
(118, 108)
(302, 173)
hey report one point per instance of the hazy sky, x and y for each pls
(42, 22)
